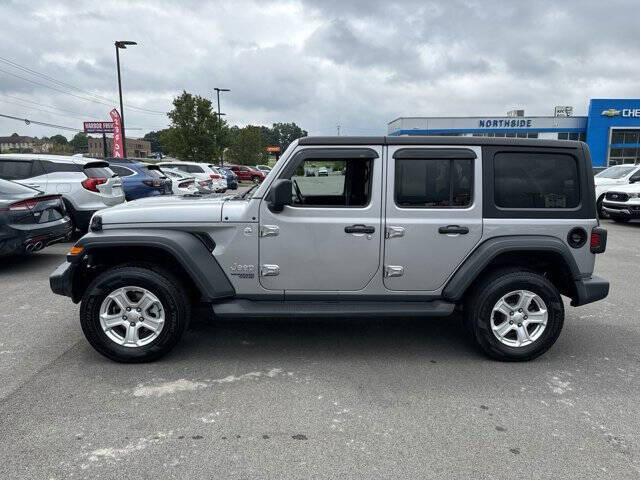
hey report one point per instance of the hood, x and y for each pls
(628, 188)
(609, 181)
(165, 209)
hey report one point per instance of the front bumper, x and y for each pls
(61, 280)
(589, 290)
(622, 209)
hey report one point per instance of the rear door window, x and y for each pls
(152, 172)
(433, 183)
(56, 167)
(18, 169)
(122, 171)
(193, 169)
(536, 180)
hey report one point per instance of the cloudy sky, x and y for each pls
(358, 63)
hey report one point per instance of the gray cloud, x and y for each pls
(357, 63)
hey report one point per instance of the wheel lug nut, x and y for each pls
(124, 317)
(525, 317)
(510, 322)
(519, 324)
(137, 309)
(128, 309)
(520, 310)
(511, 313)
(133, 324)
(141, 319)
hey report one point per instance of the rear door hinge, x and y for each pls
(393, 231)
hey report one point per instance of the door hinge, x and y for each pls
(269, 230)
(269, 270)
(391, 232)
(393, 271)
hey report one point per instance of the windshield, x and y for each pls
(10, 188)
(618, 171)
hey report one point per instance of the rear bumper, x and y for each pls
(589, 290)
(14, 240)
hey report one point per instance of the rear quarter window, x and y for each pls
(98, 172)
(17, 169)
(536, 180)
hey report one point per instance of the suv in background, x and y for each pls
(611, 177)
(247, 174)
(140, 180)
(201, 171)
(500, 228)
(86, 185)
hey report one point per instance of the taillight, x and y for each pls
(598, 240)
(202, 183)
(152, 183)
(215, 176)
(184, 184)
(92, 183)
(23, 205)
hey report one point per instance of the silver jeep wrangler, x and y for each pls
(399, 226)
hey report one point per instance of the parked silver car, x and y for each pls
(86, 185)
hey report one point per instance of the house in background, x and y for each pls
(22, 144)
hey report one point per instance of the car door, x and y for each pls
(433, 214)
(329, 239)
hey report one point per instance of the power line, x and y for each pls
(49, 106)
(92, 97)
(35, 122)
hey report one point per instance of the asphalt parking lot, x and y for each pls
(322, 399)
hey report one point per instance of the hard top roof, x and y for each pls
(438, 140)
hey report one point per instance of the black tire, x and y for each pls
(72, 216)
(619, 219)
(601, 213)
(164, 285)
(489, 291)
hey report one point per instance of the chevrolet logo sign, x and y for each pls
(612, 112)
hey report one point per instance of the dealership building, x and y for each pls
(611, 128)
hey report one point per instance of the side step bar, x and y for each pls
(238, 308)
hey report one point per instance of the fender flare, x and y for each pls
(478, 260)
(185, 247)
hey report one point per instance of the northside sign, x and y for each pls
(505, 123)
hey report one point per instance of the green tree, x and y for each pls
(192, 134)
(156, 139)
(79, 143)
(282, 134)
(246, 146)
(58, 139)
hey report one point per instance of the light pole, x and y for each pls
(219, 123)
(122, 44)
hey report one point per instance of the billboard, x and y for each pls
(98, 127)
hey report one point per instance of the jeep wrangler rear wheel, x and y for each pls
(134, 314)
(515, 316)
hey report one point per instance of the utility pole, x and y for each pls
(338, 127)
(122, 44)
(219, 122)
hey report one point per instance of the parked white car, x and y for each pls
(612, 177)
(200, 171)
(86, 185)
(183, 183)
(622, 202)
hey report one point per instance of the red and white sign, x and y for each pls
(117, 134)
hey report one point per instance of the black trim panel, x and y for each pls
(490, 249)
(435, 153)
(438, 140)
(187, 249)
(240, 308)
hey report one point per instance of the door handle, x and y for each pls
(360, 229)
(449, 229)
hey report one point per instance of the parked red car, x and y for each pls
(247, 174)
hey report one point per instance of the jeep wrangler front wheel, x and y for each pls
(133, 314)
(515, 316)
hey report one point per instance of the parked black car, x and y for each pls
(30, 220)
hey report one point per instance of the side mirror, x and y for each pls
(279, 195)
